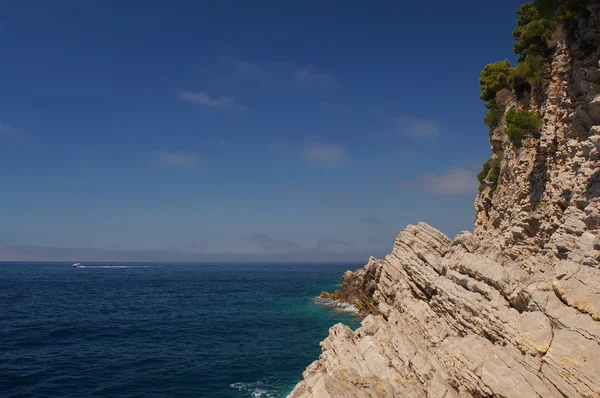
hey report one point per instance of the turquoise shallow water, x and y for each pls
(139, 330)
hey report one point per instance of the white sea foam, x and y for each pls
(259, 392)
(259, 389)
(324, 301)
(337, 305)
(346, 307)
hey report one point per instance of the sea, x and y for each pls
(158, 330)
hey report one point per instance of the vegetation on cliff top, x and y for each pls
(494, 77)
(539, 22)
(540, 25)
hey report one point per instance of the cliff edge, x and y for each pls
(512, 310)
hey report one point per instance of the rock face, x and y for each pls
(512, 310)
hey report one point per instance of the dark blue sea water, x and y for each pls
(226, 330)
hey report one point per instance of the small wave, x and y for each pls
(324, 301)
(346, 307)
(266, 388)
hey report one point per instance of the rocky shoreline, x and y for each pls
(513, 309)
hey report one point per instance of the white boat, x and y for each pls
(77, 265)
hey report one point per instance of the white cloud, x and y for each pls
(201, 98)
(454, 181)
(416, 127)
(169, 159)
(327, 154)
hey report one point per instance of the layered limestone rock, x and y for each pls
(512, 310)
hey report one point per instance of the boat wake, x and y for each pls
(117, 266)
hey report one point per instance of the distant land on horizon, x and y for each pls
(33, 254)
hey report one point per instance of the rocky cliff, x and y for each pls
(512, 310)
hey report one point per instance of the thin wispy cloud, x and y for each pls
(309, 76)
(271, 75)
(293, 188)
(277, 145)
(268, 243)
(280, 245)
(326, 154)
(415, 127)
(6, 130)
(170, 159)
(341, 199)
(323, 244)
(202, 98)
(454, 181)
(407, 151)
(196, 246)
(248, 67)
(371, 220)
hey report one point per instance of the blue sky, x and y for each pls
(235, 130)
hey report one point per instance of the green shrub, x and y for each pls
(484, 171)
(491, 173)
(537, 22)
(493, 117)
(536, 66)
(533, 33)
(528, 74)
(519, 124)
(541, 24)
(562, 9)
(494, 77)
(520, 81)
